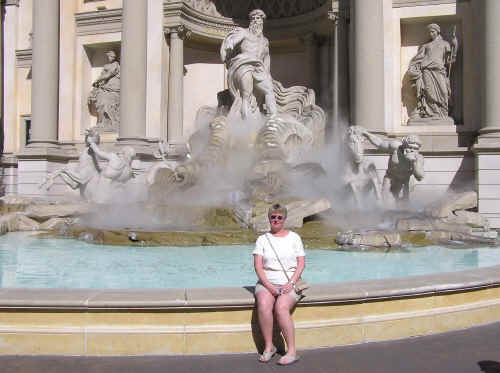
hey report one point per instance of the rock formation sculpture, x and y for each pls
(429, 72)
(360, 175)
(246, 55)
(405, 161)
(104, 99)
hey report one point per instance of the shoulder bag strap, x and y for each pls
(277, 257)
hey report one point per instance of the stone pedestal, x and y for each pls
(431, 121)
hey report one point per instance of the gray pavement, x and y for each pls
(467, 351)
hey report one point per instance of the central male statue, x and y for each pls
(246, 55)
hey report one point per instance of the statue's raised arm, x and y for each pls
(381, 143)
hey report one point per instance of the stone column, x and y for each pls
(2, 131)
(8, 74)
(490, 27)
(487, 147)
(339, 74)
(45, 72)
(176, 84)
(133, 72)
(155, 69)
(371, 93)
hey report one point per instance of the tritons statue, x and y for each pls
(359, 174)
(405, 161)
(97, 183)
(84, 175)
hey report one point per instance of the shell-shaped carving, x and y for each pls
(285, 138)
(214, 153)
(300, 102)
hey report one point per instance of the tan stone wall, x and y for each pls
(193, 330)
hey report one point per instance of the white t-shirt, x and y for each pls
(288, 249)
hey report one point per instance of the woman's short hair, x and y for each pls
(277, 208)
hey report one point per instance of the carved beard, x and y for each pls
(256, 28)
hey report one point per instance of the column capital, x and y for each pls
(182, 31)
(334, 17)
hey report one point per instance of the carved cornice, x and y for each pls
(24, 57)
(98, 22)
(177, 12)
(239, 9)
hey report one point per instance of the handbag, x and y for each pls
(301, 285)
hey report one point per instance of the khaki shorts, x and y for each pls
(292, 293)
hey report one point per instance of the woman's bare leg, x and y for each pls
(265, 304)
(282, 308)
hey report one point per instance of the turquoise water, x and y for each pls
(27, 261)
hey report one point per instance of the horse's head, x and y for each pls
(353, 141)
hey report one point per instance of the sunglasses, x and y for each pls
(279, 217)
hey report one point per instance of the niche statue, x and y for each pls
(246, 55)
(405, 161)
(104, 99)
(429, 73)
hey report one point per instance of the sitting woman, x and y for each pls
(275, 290)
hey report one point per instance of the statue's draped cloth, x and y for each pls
(239, 63)
(428, 73)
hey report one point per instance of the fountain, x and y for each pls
(263, 143)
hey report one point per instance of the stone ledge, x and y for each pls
(242, 297)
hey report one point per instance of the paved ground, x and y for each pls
(467, 351)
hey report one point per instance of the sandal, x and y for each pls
(288, 360)
(267, 356)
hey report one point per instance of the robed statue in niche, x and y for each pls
(429, 72)
(104, 99)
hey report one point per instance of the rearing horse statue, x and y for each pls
(360, 175)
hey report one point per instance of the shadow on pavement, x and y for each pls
(489, 366)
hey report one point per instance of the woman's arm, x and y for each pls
(301, 264)
(259, 270)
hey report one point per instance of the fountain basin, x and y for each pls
(222, 320)
(28, 261)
